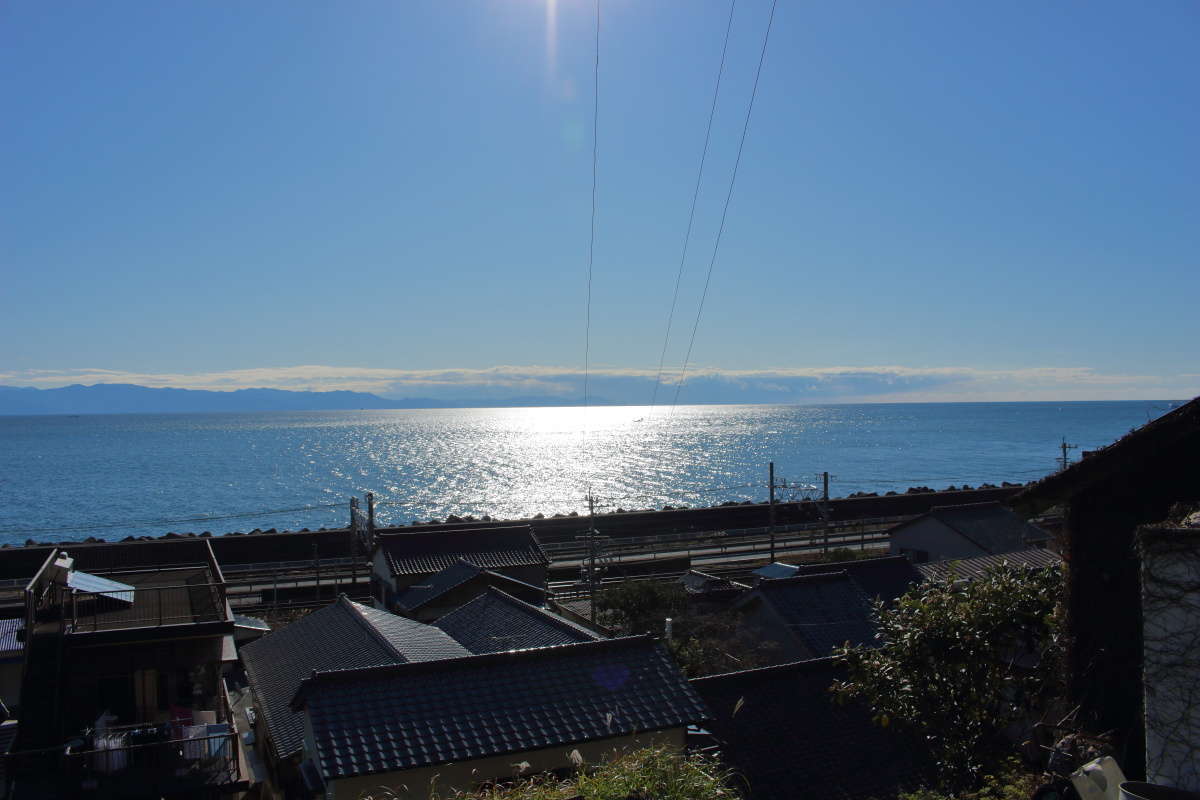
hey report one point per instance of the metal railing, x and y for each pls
(151, 606)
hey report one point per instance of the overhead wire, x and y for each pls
(692, 213)
(725, 211)
(587, 326)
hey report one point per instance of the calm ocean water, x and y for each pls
(65, 478)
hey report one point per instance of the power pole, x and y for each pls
(592, 556)
(1064, 461)
(771, 482)
(825, 491)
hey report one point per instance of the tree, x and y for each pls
(702, 643)
(961, 661)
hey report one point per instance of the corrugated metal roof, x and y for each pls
(9, 633)
(971, 568)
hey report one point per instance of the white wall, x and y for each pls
(1171, 656)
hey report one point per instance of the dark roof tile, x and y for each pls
(468, 708)
(991, 526)
(491, 548)
(343, 635)
(823, 610)
(496, 621)
(884, 578)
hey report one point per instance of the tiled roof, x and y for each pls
(823, 611)
(9, 631)
(776, 570)
(990, 526)
(343, 635)
(437, 584)
(490, 548)
(886, 578)
(782, 733)
(496, 621)
(969, 568)
(395, 718)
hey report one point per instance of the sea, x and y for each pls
(68, 478)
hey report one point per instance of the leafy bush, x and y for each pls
(654, 773)
(702, 644)
(960, 662)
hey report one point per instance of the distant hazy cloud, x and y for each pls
(532, 384)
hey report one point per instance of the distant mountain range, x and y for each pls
(127, 398)
(124, 398)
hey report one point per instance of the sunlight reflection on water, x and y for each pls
(508, 463)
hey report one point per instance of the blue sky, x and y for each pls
(944, 200)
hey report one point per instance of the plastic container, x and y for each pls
(1139, 790)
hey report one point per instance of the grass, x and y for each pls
(652, 773)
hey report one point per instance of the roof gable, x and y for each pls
(342, 635)
(425, 553)
(989, 526)
(496, 621)
(410, 715)
(823, 610)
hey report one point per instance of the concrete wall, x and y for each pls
(1171, 655)
(10, 681)
(931, 536)
(415, 784)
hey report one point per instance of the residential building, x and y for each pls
(343, 635)
(1105, 497)
(454, 723)
(123, 692)
(809, 615)
(953, 532)
(402, 560)
(456, 585)
(496, 621)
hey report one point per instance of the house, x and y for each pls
(781, 732)
(496, 621)
(809, 615)
(972, 568)
(1105, 497)
(883, 578)
(458, 722)
(977, 529)
(343, 635)
(456, 585)
(401, 560)
(125, 655)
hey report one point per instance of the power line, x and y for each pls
(692, 214)
(728, 197)
(587, 334)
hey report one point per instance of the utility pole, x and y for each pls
(1064, 461)
(825, 482)
(592, 556)
(771, 482)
